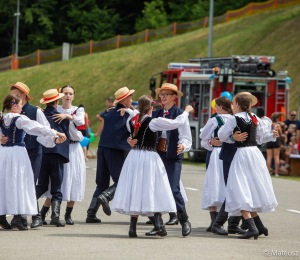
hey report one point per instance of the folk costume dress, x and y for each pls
(17, 187)
(143, 186)
(213, 194)
(249, 185)
(73, 186)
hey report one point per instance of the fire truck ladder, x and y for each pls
(281, 96)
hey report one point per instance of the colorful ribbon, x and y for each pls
(136, 124)
(13, 101)
(254, 120)
(166, 113)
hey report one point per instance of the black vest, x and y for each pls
(63, 127)
(30, 140)
(146, 138)
(248, 127)
(15, 136)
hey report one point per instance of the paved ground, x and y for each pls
(109, 240)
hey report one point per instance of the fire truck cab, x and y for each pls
(205, 79)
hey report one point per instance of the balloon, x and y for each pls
(90, 131)
(92, 137)
(84, 142)
(226, 94)
(213, 103)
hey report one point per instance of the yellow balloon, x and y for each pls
(213, 103)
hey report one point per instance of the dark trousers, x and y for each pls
(35, 156)
(173, 168)
(53, 168)
(226, 167)
(207, 158)
(109, 163)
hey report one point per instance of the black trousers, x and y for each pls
(35, 156)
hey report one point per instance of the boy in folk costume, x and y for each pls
(53, 158)
(33, 147)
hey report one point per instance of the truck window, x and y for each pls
(163, 79)
(174, 80)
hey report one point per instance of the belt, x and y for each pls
(73, 142)
(162, 145)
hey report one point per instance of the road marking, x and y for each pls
(190, 188)
(95, 169)
(87, 167)
(293, 210)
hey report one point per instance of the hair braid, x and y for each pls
(244, 102)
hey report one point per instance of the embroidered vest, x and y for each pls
(15, 136)
(248, 127)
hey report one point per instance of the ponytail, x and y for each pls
(1, 116)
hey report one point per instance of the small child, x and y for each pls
(293, 146)
(292, 131)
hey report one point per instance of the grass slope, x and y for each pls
(97, 76)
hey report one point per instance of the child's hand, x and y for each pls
(4, 139)
(122, 111)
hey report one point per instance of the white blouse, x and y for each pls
(264, 131)
(44, 133)
(207, 132)
(79, 119)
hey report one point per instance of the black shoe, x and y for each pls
(3, 222)
(252, 231)
(244, 225)
(159, 225)
(233, 226)
(173, 219)
(43, 213)
(217, 227)
(186, 225)
(17, 223)
(132, 228)
(91, 212)
(149, 222)
(36, 221)
(68, 218)
(260, 226)
(105, 197)
(24, 221)
(55, 206)
(213, 216)
(153, 231)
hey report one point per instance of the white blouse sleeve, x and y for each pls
(75, 135)
(33, 127)
(206, 144)
(46, 141)
(226, 130)
(185, 136)
(164, 124)
(264, 132)
(131, 112)
(206, 133)
(79, 117)
(41, 118)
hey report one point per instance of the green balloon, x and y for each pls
(92, 137)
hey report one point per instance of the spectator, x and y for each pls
(292, 120)
(84, 129)
(284, 156)
(156, 105)
(283, 127)
(291, 132)
(273, 148)
(293, 145)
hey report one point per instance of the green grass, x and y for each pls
(291, 178)
(198, 164)
(97, 76)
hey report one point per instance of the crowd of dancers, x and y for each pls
(142, 151)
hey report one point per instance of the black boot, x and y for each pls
(55, 206)
(186, 225)
(260, 226)
(252, 231)
(68, 218)
(91, 212)
(173, 219)
(105, 197)
(24, 221)
(37, 220)
(132, 228)
(217, 227)
(233, 226)
(149, 222)
(153, 231)
(3, 222)
(43, 213)
(244, 225)
(213, 216)
(17, 223)
(159, 225)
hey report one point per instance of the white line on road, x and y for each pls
(95, 169)
(293, 210)
(190, 188)
(87, 167)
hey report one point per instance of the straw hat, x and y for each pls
(122, 93)
(22, 87)
(253, 98)
(169, 87)
(50, 96)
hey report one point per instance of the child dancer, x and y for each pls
(213, 194)
(249, 187)
(143, 187)
(17, 187)
(73, 186)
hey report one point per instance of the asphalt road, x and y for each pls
(109, 239)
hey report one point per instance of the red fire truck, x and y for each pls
(204, 79)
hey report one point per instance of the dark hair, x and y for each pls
(274, 116)
(8, 103)
(66, 86)
(225, 103)
(144, 105)
(110, 99)
(51, 104)
(282, 140)
(244, 102)
(81, 105)
(283, 126)
(157, 105)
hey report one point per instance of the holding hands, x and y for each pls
(60, 117)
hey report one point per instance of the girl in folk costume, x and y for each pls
(213, 194)
(143, 187)
(249, 186)
(17, 187)
(73, 186)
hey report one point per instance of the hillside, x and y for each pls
(97, 76)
